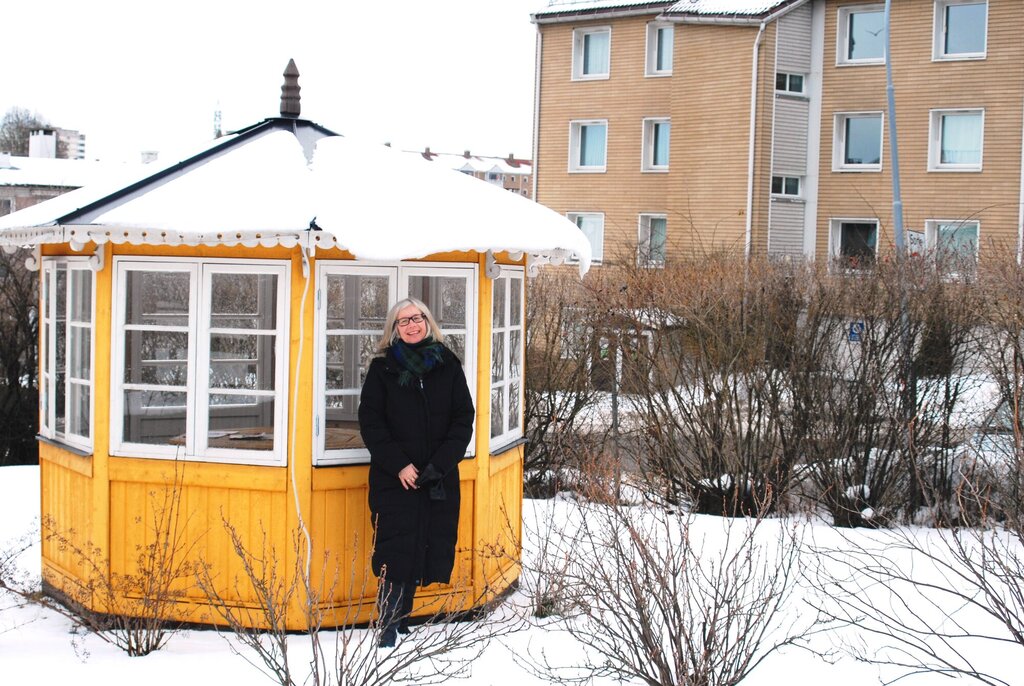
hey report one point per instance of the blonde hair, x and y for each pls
(390, 334)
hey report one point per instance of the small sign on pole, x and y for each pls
(856, 332)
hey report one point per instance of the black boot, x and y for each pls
(389, 607)
(408, 594)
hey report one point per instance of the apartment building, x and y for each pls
(762, 125)
(511, 173)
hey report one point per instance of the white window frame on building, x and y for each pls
(399, 278)
(67, 324)
(660, 45)
(651, 254)
(507, 357)
(656, 130)
(839, 161)
(936, 136)
(940, 52)
(791, 84)
(835, 240)
(577, 134)
(195, 443)
(933, 228)
(580, 47)
(595, 221)
(786, 186)
(846, 14)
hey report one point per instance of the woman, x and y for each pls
(416, 419)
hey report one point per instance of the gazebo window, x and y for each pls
(507, 357)
(65, 358)
(351, 303)
(200, 369)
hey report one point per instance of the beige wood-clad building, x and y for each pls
(762, 126)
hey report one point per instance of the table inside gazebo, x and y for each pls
(262, 438)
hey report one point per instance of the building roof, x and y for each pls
(60, 173)
(288, 181)
(749, 8)
(570, 8)
(566, 9)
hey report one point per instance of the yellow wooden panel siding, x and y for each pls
(501, 553)
(65, 506)
(469, 570)
(994, 83)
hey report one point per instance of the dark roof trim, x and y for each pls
(238, 137)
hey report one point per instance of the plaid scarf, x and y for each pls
(417, 359)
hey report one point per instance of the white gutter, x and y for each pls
(749, 228)
(538, 45)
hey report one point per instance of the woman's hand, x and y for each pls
(408, 476)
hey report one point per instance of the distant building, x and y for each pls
(56, 143)
(26, 181)
(511, 173)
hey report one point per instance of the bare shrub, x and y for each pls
(930, 599)
(15, 583)
(658, 595)
(442, 646)
(137, 609)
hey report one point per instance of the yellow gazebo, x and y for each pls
(207, 326)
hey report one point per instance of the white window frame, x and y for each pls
(843, 35)
(647, 163)
(643, 256)
(48, 355)
(789, 80)
(597, 251)
(939, 53)
(196, 389)
(575, 133)
(835, 237)
(839, 142)
(653, 43)
(783, 193)
(935, 127)
(931, 233)
(398, 288)
(508, 436)
(578, 38)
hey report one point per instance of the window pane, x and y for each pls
(239, 361)
(497, 357)
(858, 241)
(78, 353)
(663, 62)
(498, 303)
(154, 417)
(342, 423)
(515, 352)
(792, 185)
(78, 412)
(513, 406)
(497, 413)
(81, 296)
(592, 226)
(660, 144)
(866, 35)
(243, 301)
(777, 184)
(516, 305)
(595, 53)
(657, 239)
(958, 239)
(781, 82)
(592, 145)
(965, 28)
(445, 296)
(157, 298)
(457, 344)
(250, 419)
(62, 291)
(961, 139)
(356, 302)
(796, 83)
(863, 140)
(156, 357)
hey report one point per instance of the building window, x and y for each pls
(588, 142)
(656, 144)
(854, 242)
(956, 140)
(789, 83)
(6, 206)
(201, 369)
(66, 352)
(352, 302)
(660, 39)
(786, 185)
(592, 226)
(960, 29)
(861, 32)
(651, 240)
(591, 53)
(507, 357)
(953, 243)
(858, 142)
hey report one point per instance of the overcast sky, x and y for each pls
(134, 76)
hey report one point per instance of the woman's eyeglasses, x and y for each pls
(406, 321)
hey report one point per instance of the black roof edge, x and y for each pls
(285, 123)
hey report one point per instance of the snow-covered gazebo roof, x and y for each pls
(288, 181)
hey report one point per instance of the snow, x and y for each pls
(704, 7)
(61, 173)
(39, 646)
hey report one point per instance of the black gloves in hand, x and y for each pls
(430, 477)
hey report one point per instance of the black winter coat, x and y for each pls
(429, 421)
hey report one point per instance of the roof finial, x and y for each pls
(290, 106)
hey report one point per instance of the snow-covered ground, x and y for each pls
(38, 646)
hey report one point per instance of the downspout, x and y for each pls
(748, 238)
